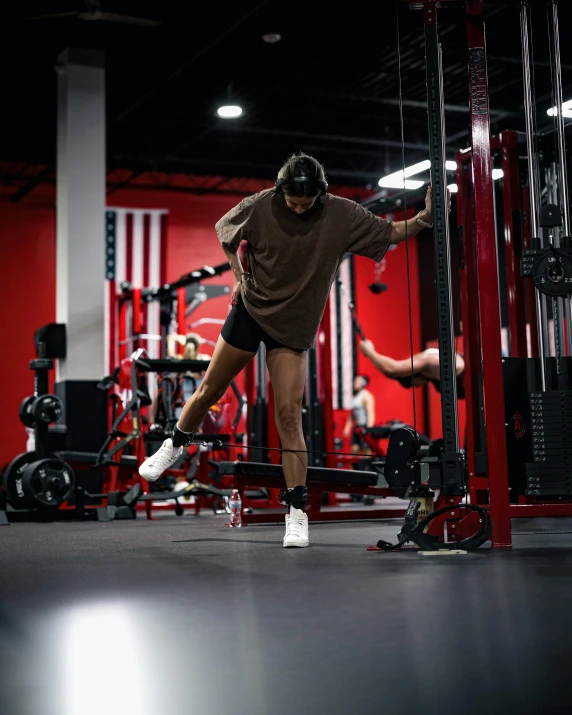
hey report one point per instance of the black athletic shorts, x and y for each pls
(243, 332)
(357, 440)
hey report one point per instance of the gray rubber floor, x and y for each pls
(183, 615)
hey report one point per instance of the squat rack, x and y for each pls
(485, 385)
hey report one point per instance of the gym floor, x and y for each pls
(184, 615)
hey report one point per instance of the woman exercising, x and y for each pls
(297, 235)
(423, 368)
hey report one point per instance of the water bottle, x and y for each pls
(235, 505)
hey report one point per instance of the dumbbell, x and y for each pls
(46, 408)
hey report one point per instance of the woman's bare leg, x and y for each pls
(287, 370)
(225, 365)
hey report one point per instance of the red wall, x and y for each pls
(385, 320)
(28, 249)
(28, 265)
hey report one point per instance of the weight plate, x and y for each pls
(12, 479)
(47, 408)
(47, 483)
(553, 275)
(26, 411)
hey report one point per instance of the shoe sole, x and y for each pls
(148, 478)
(297, 544)
(154, 478)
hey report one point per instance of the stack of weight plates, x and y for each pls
(550, 474)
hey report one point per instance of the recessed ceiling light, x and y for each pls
(229, 112)
(271, 37)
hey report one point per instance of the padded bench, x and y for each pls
(320, 479)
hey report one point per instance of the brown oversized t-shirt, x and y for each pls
(293, 259)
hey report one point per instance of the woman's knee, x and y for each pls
(208, 394)
(289, 419)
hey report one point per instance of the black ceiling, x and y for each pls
(329, 87)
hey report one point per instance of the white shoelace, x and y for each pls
(162, 458)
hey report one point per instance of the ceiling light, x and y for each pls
(229, 112)
(566, 110)
(396, 180)
(271, 37)
(453, 188)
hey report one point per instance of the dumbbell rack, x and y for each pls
(550, 473)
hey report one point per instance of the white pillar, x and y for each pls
(81, 212)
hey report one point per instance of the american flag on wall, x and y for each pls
(343, 340)
(135, 252)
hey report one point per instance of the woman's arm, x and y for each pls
(403, 229)
(349, 425)
(390, 367)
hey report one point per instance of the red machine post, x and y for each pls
(487, 283)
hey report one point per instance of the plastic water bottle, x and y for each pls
(235, 505)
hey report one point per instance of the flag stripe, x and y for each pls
(155, 251)
(135, 252)
(121, 246)
(146, 248)
(129, 248)
(163, 258)
(137, 257)
(343, 339)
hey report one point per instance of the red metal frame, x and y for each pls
(181, 317)
(470, 317)
(327, 397)
(487, 284)
(250, 394)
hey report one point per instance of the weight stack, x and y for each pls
(535, 446)
(550, 473)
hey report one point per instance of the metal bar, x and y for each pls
(513, 243)
(530, 510)
(327, 398)
(556, 69)
(314, 413)
(136, 317)
(531, 292)
(329, 137)
(551, 236)
(533, 176)
(469, 313)
(554, 38)
(452, 468)
(488, 290)
(121, 351)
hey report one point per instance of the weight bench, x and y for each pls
(320, 479)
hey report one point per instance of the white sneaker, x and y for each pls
(164, 457)
(296, 529)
